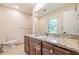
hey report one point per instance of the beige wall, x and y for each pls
(56, 14)
(14, 24)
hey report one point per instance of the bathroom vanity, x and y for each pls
(41, 45)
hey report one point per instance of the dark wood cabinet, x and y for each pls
(46, 52)
(61, 51)
(26, 44)
(54, 50)
(33, 46)
(47, 49)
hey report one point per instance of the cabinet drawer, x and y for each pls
(47, 52)
(48, 47)
(61, 51)
(55, 49)
(75, 53)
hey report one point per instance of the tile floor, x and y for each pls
(16, 50)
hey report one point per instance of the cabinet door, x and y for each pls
(32, 49)
(26, 44)
(45, 52)
(47, 49)
(60, 51)
(35, 48)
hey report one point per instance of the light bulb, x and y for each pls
(16, 7)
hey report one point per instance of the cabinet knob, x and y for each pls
(51, 50)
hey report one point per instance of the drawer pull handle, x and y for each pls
(51, 50)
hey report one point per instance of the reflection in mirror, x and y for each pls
(52, 25)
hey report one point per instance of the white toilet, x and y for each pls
(8, 42)
(12, 43)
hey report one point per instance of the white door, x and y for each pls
(69, 22)
(77, 24)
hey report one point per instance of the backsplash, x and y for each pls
(64, 35)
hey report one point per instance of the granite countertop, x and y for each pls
(71, 44)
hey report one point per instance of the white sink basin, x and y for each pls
(41, 36)
(48, 38)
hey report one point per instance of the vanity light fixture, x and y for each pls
(16, 7)
(36, 14)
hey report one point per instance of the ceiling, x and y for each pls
(28, 7)
(48, 8)
(24, 7)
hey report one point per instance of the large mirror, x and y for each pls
(66, 18)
